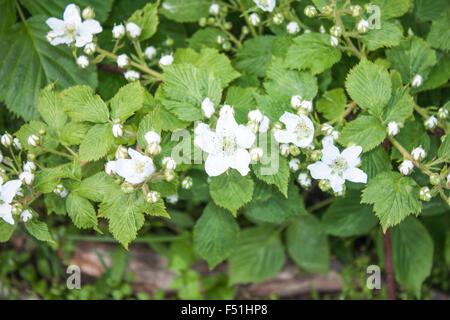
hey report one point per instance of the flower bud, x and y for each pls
(127, 188)
(33, 140)
(310, 11)
(117, 130)
(304, 179)
(417, 81)
(208, 108)
(284, 149)
(228, 25)
(202, 22)
(435, 179)
(187, 183)
(220, 39)
(294, 164)
(90, 48)
(336, 31)
(316, 155)
(334, 42)
(254, 19)
(172, 199)
(16, 209)
(169, 42)
(226, 46)
(169, 175)
(26, 215)
(324, 185)
(26, 177)
(214, 9)
(278, 18)
(356, 10)
(322, 29)
(169, 163)
(29, 166)
(121, 153)
(425, 194)
(362, 26)
(153, 149)
(406, 167)
(327, 10)
(6, 140)
(152, 137)
(294, 150)
(431, 123)
(153, 197)
(418, 153)
(443, 113)
(122, 60)
(118, 31)
(296, 101)
(256, 154)
(245, 30)
(133, 30)
(132, 75)
(88, 13)
(31, 156)
(393, 128)
(83, 62)
(293, 27)
(110, 167)
(166, 60)
(17, 144)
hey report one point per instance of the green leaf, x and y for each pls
(369, 85)
(242, 101)
(81, 211)
(312, 51)
(375, 161)
(7, 14)
(439, 36)
(307, 244)
(127, 101)
(412, 254)
(332, 103)
(206, 37)
(81, 104)
(412, 57)
(157, 210)
(6, 230)
(256, 53)
(74, 133)
(50, 108)
(394, 198)
(55, 8)
(392, 8)
(389, 35)
(231, 190)
(258, 255)
(97, 143)
(47, 179)
(50, 140)
(39, 230)
(185, 10)
(209, 60)
(273, 172)
(28, 63)
(147, 19)
(366, 131)
(215, 234)
(444, 149)
(400, 106)
(186, 87)
(346, 217)
(426, 10)
(439, 74)
(97, 187)
(272, 107)
(412, 135)
(277, 208)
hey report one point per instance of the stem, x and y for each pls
(320, 205)
(252, 28)
(63, 154)
(344, 33)
(388, 264)
(406, 155)
(346, 112)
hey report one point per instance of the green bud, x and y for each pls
(127, 188)
(169, 42)
(169, 175)
(294, 150)
(211, 20)
(202, 22)
(245, 30)
(226, 45)
(324, 185)
(435, 179)
(31, 156)
(316, 155)
(228, 25)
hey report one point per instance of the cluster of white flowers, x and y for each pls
(406, 167)
(301, 105)
(227, 145)
(336, 167)
(8, 192)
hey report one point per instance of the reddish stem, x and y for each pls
(389, 265)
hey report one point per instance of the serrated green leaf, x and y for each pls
(412, 254)
(394, 197)
(439, 36)
(51, 109)
(412, 57)
(307, 244)
(242, 101)
(147, 19)
(6, 230)
(81, 104)
(365, 131)
(412, 135)
(375, 162)
(392, 8)
(186, 87)
(439, 74)
(39, 230)
(258, 255)
(444, 149)
(312, 51)
(96, 187)
(47, 179)
(400, 106)
(346, 217)
(81, 211)
(7, 14)
(157, 210)
(206, 37)
(28, 62)
(332, 103)
(369, 85)
(97, 142)
(231, 190)
(426, 10)
(74, 133)
(50, 140)
(127, 101)
(388, 35)
(215, 234)
(268, 171)
(185, 10)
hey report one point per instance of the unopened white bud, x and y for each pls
(431, 123)
(393, 128)
(208, 108)
(169, 163)
(117, 130)
(6, 140)
(336, 31)
(293, 27)
(90, 48)
(362, 26)
(214, 9)
(322, 29)
(26, 177)
(310, 11)
(284, 149)
(153, 197)
(278, 18)
(154, 149)
(132, 75)
(152, 137)
(296, 101)
(33, 140)
(356, 10)
(17, 144)
(187, 183)
(334, 42)
(26, 215)
(425, 194)
(256, 154)
(443, 113)
(418, 153)
(133, 30)
(166, 60)
(254, 19)
(121, 153)
(417, 81)
(123, 60)
(304, 180)
(150, 52)
(406, 167)
(294, 164)
(29, 166)
(88, 13)
(118, 31)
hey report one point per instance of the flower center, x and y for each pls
(229, 144)
(139, 167)
(70, 29)
(302, 130)
(339, 165)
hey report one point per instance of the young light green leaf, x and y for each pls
(81, 211)
(439, 36)
(268, 172)
(147, 19)
(332, 103)
(185, 10)
(81, 104)
(51, 109)
(97, 187)
(365, 131)
(6, 230)
(39, 230)
(394, 198)
(389, 35)
(242, 101)
(97, 142)
(215, 234)
(400, 107)
(375, 161)
(127, 101)
(74, 133)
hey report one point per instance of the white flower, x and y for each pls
(6, 140)
(310, 11)
(393, 128)
(406, 167)
(294, 164)
(304, 180)
(150, 52)
(264, 125)
(293, 27)
(208, 108)
(17, 144)
(135, 170)
(7, 193)
(29, 166)
(169, 163)
(431, 123)
(417, 81)
(33, 140)
(336, 167)
(226, 147)
(132, 75)
(362, 26)
(123, 60)
(172, 199)
(166, 60)
(61, 191)
(118, 31)
(443, 113)
(117, 130)
(326, 128)
(266, 5)
(152, 137)
(254, 19)
(256, 154)
(26, 177)
(214, 9)
(296, 101)
(134, 31)
(299, 130)
(110, 168)
(334, 41)
(26, 215)
(89, 48)
(71, 29)
(83, 62)
(425, 194)
(187, 183)
(418, 153)
(255, 115)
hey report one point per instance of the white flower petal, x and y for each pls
(319, 170)
(72, 15)
(83, 40)
(226, 122)
(351, 154)
(5, 213)
(124, 167)
(329, 152)
(90, 26)
(284, 136)
(215, 165)
(355, 175)
(9, 190)
(290, 120)
(57, 25)
(245, 137)
(336, 183)
(241, 161)
(204, 139)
